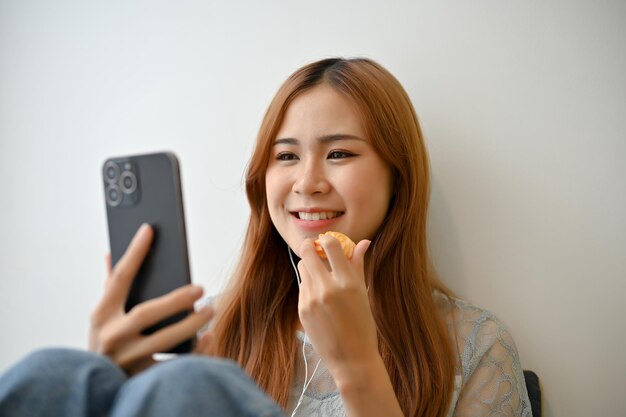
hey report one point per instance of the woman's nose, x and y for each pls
(311, 179)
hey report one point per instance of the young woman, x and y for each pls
(340, 149)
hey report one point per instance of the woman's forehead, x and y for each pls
(321, 111)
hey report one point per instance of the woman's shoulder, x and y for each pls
(486, 357)
(475, 331)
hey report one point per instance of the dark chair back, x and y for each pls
(534, 392)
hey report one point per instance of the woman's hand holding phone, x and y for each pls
(118, 334)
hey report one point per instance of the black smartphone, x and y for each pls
(147, 189)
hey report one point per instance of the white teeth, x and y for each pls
(323, 215)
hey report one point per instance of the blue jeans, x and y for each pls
(65, 382)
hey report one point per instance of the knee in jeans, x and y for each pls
(63, 357)
(46, 358)
(53, 355)
(200, 366)
(194, 385)
(61, 379)
(188, 371)
(65, 364)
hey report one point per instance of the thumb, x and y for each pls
(358, 255)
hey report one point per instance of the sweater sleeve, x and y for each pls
(492, 376)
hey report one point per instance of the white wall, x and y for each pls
(523, 105)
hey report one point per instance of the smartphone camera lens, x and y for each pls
(114, 196)
(111, 172)
(128, 182)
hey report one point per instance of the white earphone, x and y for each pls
(307, 381)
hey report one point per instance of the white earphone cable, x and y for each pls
(307, 381)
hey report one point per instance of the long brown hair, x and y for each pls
(258, 314)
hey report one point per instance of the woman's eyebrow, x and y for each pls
(322, 139)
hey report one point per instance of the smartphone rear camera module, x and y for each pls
(121, 183)
(128, 182)
(111, 172)
(114, 195)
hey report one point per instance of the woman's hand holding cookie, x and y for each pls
(334, 306)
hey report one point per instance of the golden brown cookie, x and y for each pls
(346, 244)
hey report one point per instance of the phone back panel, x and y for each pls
(147, 189)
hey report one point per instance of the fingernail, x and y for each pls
(207, 310)
(142, 232)
(195, 291)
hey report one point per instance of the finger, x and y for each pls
(107, 259)
(107, 262)
(141, 365)
(204, 343)
(358, 256)
(306, 281)
(311, 259)
(124, 272)
(143, 316)
(313, 271)
(306, 293)
(334, 252)
(177, 333)
(153, 311)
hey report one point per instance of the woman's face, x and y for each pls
(323, 173)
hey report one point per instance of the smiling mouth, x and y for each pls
(321, 215)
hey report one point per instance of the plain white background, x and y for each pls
(523, 105)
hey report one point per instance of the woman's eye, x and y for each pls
(339, 155)
(286, 156)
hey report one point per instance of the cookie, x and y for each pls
(346, 244)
